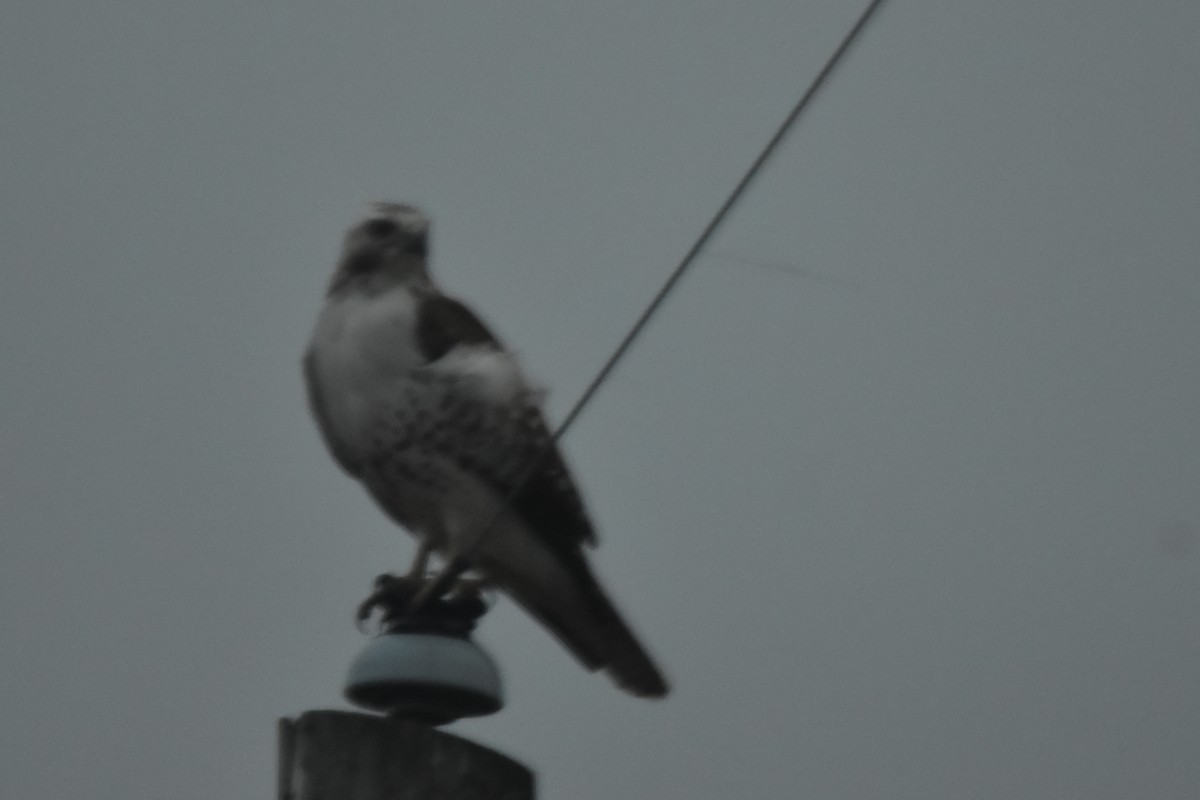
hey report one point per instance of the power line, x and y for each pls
(458, 563)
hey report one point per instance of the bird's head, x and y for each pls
(390, 244)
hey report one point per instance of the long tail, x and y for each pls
(587, 623)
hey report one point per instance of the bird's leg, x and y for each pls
(449, 598)
(439, 584)
(420, 561)
(469, 585)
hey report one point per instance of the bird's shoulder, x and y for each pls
(444, 323)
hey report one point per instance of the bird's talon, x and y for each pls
(393, 595)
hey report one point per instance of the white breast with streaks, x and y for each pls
(364, 347)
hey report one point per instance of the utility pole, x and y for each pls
(422, 671)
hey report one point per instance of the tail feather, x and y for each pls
(590, 627)
(627, 662)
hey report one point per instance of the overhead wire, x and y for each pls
(458, 563)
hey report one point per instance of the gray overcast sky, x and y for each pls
(913, 517)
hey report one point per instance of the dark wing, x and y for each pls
(316, 403)
(547, 499)
(444, 323)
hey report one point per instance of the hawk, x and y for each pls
(418, 401)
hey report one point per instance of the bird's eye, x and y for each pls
(380, 228)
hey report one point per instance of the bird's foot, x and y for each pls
(392, 595)
(455, 612)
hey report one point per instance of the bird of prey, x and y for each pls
(417, 400)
